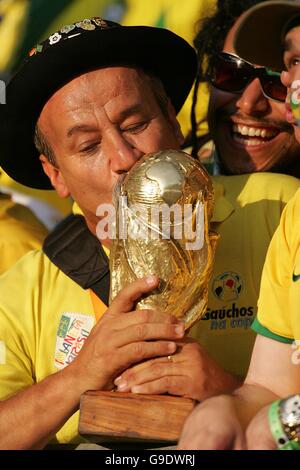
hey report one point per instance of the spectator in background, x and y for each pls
(243, 202)
(274, 375)
(247, 127)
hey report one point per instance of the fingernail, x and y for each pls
(122, 386)
(136, 389)
(179, 330)
(118, 380)
(151, 280)
(172, 347)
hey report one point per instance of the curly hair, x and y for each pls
(209, 41)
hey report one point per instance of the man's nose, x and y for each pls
(121, 153)
(252, 101)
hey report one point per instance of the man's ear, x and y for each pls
(55, 176)
(174, 123)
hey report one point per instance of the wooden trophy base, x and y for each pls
(127, 417)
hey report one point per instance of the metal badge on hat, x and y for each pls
(56, 37)
(67, 28)
(76, 29)
(86, 24)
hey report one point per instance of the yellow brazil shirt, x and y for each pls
(279, 302)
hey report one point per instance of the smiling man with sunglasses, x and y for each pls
(246, 113)
(244, 202)
(271, 388)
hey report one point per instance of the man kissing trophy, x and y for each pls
(163, 210)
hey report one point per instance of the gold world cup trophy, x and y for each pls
(163, 211)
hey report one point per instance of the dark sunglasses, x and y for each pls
(231, 73)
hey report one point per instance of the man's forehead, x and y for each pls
(292, 39)
(287, 45)
(101, 85)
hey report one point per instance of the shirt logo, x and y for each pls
(296, 277)
(227, 286)
(73, 330)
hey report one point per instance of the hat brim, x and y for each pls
(258, 37)
(158, 51)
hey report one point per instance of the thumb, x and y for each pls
(126, 298)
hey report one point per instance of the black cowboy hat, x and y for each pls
(76, 49)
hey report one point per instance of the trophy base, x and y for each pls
(115, 417)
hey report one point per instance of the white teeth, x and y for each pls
(253, 131)
(253, 142)
(248, 142)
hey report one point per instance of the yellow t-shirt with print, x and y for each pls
(279, 301)
(44, 321)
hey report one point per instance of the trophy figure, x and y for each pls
(163, 210)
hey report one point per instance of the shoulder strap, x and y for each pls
(79, 254)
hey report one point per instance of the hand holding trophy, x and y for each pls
(163, 210)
